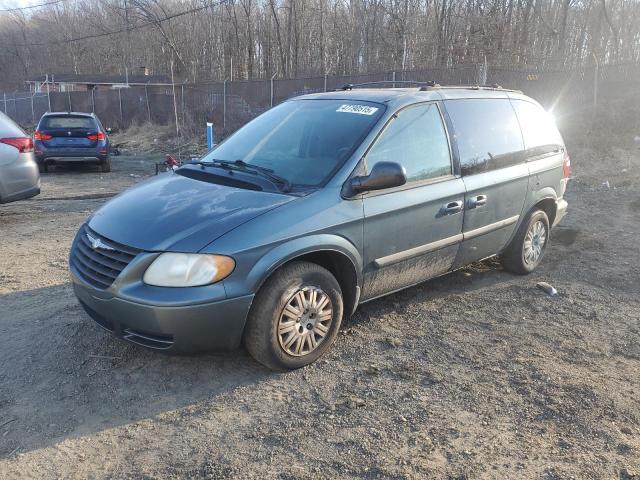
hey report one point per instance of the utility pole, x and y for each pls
(127, 60)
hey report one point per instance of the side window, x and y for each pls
(416, 139)
(538, 128)
(487, 134)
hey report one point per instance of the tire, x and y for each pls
(105, 166)
(283, 289)
(43, 167)
(519, 257)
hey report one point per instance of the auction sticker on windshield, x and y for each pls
(359, 109)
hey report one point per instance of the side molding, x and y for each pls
(416, 251)
(491, 227)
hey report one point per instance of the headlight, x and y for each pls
(187, 270)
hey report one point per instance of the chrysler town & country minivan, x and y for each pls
(318, 205)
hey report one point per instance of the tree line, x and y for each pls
(207, 40)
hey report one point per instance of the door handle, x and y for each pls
(477, 201)
(452, 208)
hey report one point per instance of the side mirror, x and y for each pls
(383, 175)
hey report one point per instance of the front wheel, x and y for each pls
(295, 317)
(526, 250)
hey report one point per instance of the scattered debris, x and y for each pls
(629, 474)
(394, 342)
(373, 370)
(7, 422)
(356, 402)
(108, 357)
(626, 430)
(547, 288)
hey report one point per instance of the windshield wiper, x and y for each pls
(242, 166)
(265, 172)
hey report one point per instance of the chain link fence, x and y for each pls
(230, 104)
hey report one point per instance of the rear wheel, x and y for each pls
(105, 166)
(43, 167)
(295, 317)
(526, 250)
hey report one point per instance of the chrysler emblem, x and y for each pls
(97, 243)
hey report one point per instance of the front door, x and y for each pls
(412, 233)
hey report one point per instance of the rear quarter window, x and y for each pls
(68, 122)
(538, 128)
(487, 134)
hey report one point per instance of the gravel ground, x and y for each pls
(478, 374)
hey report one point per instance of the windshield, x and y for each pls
(302, 141)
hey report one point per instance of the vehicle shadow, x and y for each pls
(62, 376)
(485, 274)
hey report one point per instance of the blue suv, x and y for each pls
(65, 137)
(318, 205)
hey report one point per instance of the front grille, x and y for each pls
(99, 266)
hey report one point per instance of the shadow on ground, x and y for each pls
(63, 376)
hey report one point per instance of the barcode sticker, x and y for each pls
(359, 109)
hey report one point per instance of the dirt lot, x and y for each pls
(475, 375)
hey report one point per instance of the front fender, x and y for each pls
(292, 249)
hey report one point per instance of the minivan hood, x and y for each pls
(180, 214)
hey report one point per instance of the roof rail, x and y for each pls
(351, 86)
(493, 86)
(425, 86)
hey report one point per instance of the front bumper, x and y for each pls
(32, 192)
(179, 329)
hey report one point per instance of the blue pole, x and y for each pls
(209, 136)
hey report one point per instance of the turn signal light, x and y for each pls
(566, 166)
(23, 144)
(41, 136)
(100, 136)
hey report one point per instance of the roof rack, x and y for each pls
(492, 86)
(425, 86)
(351, 86)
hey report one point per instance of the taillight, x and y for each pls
(100, 136)
(566, 166)
(41, 136)
(23, 144)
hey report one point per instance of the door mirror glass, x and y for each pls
(383, 175)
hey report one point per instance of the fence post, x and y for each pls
(93, 100)
(393, 77)
(182, 102)
(5, 102)
(325, 82)
(272, 77)
(48, 92)
(146, 94)
(595, 89)
(69, 99)
(33, 113)
(120, 101)
(224, 106)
